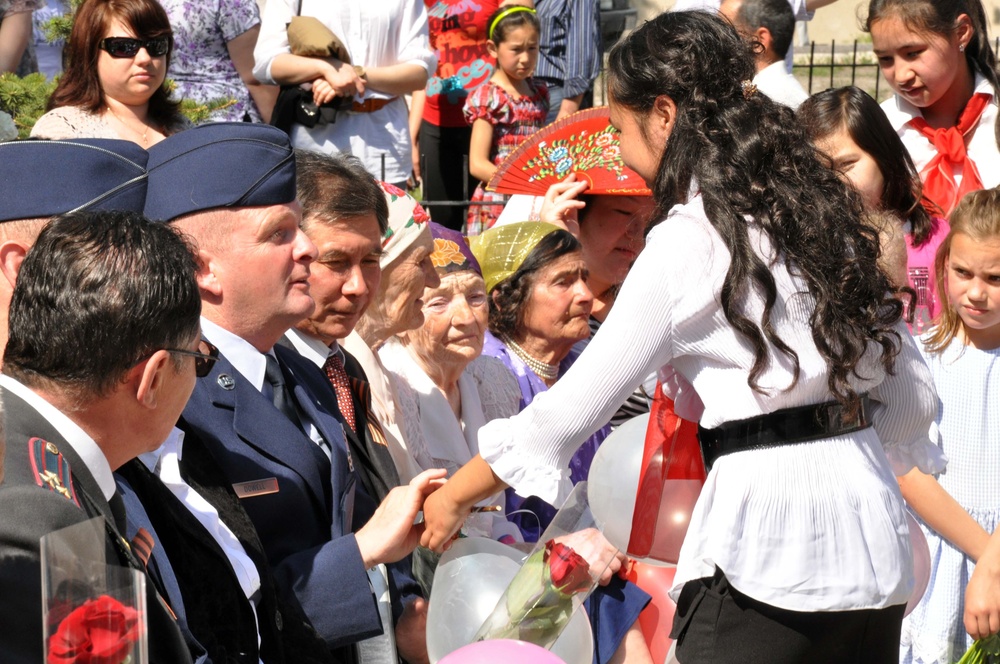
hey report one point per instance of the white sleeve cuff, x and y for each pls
(920, 453)
(527, 474)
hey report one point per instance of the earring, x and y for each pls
(961, 48)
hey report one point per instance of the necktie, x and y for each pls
(115, 533)
(118, 511)
(128, 556)
(334, 368)
(280, 395)
(381, 473)
(939, 182)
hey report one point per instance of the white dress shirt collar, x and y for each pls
(241, 354)
(251, 364)
(312, 348)
(85, 447)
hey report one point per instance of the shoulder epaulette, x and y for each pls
(51, 469)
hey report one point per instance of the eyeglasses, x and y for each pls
(127, 47)
(203, 361)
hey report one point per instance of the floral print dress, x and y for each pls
(513, 120)
(200, 64)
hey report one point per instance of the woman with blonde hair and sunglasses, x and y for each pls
(117, 59)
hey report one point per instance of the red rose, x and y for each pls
(101, 631)
(569, 571)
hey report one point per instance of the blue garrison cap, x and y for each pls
(41, 179)
(224, 164)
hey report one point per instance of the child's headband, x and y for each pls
(505, 13)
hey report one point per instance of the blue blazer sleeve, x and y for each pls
(313, 555)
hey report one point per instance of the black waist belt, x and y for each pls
(782, 427)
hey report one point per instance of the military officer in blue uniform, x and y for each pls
(267, 416)
(42, 179)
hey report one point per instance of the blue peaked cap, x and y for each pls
(40, 179)
(218, 165)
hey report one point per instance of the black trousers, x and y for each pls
(444, 153)
(716, 624)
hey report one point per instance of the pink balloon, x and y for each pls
(501, 650)
(921, 563)
(657, 618)
(676, 506)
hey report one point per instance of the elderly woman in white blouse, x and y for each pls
(390, 57)
(446, 391)
(396, 307)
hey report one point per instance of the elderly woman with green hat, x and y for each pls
(539, 305)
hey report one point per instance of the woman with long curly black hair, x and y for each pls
(759, 297)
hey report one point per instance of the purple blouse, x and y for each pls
(531, 386)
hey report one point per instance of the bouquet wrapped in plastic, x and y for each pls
(555, 579)
(93, 613)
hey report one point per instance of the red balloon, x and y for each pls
(658, 617)
(669, 483)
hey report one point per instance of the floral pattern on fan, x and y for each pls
(584, 143)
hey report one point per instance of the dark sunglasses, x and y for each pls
(204, 358)
(127, 47)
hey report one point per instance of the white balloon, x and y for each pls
(613, 481)
(921, 564)
(613, 487)
(469, 581)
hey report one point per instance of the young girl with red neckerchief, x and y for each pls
(937, 57)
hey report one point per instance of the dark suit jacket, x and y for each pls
(306, 524)
(28, 512)
(378, 471)
(217, 611)
(372, 460)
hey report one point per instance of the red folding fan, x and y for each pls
(584, 143)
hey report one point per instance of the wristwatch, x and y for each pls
(360, 71)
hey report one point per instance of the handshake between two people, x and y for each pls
(393, 533)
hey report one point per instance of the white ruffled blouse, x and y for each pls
(813, 527)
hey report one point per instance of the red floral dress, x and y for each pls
(513, 121)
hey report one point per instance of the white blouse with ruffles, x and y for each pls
(812, 527)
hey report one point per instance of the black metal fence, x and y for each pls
(843, 63)
(839, 65)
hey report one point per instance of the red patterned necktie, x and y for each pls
(334, 368)
(939, 182)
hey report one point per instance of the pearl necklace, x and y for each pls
(145, 127)
(545, 371)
